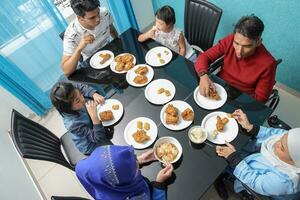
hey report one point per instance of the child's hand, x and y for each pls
(98, 98)
(151, 32)
(91, 107)
(165, 173)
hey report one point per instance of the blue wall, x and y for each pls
(281, 35)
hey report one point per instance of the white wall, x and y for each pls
(15, 181)
(143, 11)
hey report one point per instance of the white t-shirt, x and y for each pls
(171, 40)
(75, 31)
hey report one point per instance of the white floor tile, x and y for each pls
(40, 168)
(288, 108)
(61, 181)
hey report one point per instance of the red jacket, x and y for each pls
(254, 75)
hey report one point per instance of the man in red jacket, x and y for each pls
(248, 66)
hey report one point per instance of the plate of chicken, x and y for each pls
(214, 100)
(220, 127)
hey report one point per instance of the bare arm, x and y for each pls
(113, 31)
(181, 44)
(148, 35)
(69, 63)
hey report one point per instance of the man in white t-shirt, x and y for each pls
(90, 31)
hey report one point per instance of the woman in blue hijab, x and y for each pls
(112, 172)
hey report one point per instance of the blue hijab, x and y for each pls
(111, 172)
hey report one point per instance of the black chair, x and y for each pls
(34, 141)
(254, 194)
(67, 198)
(61, 35)
(201, 20)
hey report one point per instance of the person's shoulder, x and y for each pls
(265, 55)
(71, 31)
(228, 38)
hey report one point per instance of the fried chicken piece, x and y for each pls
(146, 126)
(230, 115)
(118, 59)
(167, 151)
(140, 79)
(170, 119)
(128, 66)
(119, 66)
(128, 58)
(160, 90)
(106, 115)
(141, 70)
(139, 124)
(171, 110)
(162, 61)
(221, 123)
(115, 107)
(187, 114)
(213, 94)
(158, 55)
(225, 121)
(105, 57)
(140, 136)
(167, 93)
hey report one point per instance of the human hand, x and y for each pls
(85, 40)
(204, 84)
(242, 119)
(165, 173)
(91, 107)
(98, 98)
(146, 157)
(225, 151)
(151, 32)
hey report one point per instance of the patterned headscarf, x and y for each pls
(111, 172)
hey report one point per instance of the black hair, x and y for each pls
(166, 14)
(250, 26)
(62, 96)
(80, 7)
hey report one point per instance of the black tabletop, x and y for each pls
(199, 165)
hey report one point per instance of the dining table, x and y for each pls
(199, 166)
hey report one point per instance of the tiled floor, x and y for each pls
(54, 179)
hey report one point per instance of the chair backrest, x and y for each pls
(34, 141)
(61, 35)
(274, 98)
(201, 20)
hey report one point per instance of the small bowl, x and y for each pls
(197, 134)
(170, 140)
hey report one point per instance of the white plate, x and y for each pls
(113, 64)
(159, 99)
(182, 124)
(152, 58)
(131, 128)
(229, 133)
(96, 59)
(172, 140)
(108, 106)
(131, 75)
(210, 104)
